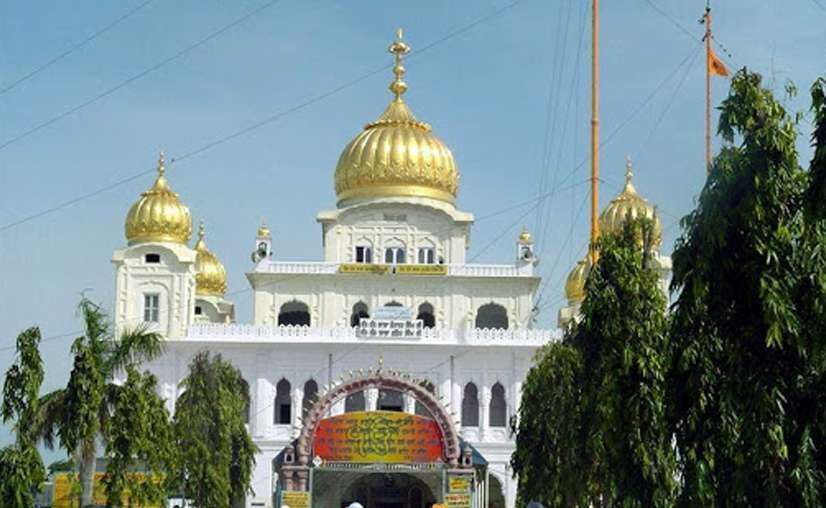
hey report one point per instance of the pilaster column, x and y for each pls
(409, 404)
(371, 398)
(484, 403)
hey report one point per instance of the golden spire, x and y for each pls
(264, 231)
(161, 165)
(629, 174)
(399, 49)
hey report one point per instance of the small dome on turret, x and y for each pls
(210, 274)
(628, 204)
(158, 215)
(575, 283)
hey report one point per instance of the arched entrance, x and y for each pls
(380, 458)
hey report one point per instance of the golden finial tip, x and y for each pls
(399, 33)
(201, 230)
(629, 170)
(161, 163)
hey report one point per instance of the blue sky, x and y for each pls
(485, 90)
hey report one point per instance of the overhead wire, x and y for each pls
(270, 119)
(37, 70)
(135, 77)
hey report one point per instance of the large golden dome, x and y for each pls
(628, 204)
(575, 283)
(210, 275)
(397, 155)
(158, 215)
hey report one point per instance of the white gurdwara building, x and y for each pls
(394, 333)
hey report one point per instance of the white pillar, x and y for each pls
(484, 421)
(372, 398)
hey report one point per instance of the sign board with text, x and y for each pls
(388, 437)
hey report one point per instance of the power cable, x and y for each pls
(137, 76)
(254, 126)
(72, 49)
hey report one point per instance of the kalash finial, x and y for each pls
(161, 164)
(399, 48)
(201, 232)
(629, 170)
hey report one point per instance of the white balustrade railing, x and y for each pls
(300, 267)
(467, 270)
(472, 336)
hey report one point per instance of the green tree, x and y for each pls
(593, 424)
(748, 322)
(80, 414)
(216, 452)
(138, 433)
(21, 468)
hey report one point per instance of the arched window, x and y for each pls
(390, 400)
(360, 311)
(394, 253)
(355, 402)
(420, 409)
(427, 253)
(496, 493)
(470, 406)
(310, 395)
(294, 313)
(498, 409)
(363, 251)
(283, 403)
(492, 315)
(426, 315)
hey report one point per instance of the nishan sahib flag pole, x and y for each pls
(715, 67)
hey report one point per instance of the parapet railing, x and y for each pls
(458, 270)
(471, 336)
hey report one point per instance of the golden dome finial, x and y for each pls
(161, 164)
(399, 49)
(264, 230)
(525, 235)
(629, 174)
(210, 274)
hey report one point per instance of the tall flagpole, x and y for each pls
(707, 20)
(594, 129)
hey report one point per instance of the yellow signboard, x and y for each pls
(362, 268)
(421, 269)
(295, 499)
(457, 500)
(66, 492)
(458, 484)
(397, 269)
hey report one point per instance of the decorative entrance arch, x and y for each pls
(383, 380)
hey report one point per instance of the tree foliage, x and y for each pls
(748, 323)
(21, 468)
(593, 424)
(216, 452)
(80, 414)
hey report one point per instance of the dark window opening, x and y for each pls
(391, 400)
(470, 406)
(360, 311)
(294, 313)
(152, 258)
(283, 403)
(492, 315)
(198, 310)
(426, 315)
(364, 254)
(421, 410)
(498, 409)
(310, 396)
(355, 402)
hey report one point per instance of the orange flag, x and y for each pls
(716, 67)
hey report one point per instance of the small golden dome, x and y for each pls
(158, 216)
(525, 236)
(210, 275)
(264, 231)
(397, 155)
(629, 204)
(575, 283)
